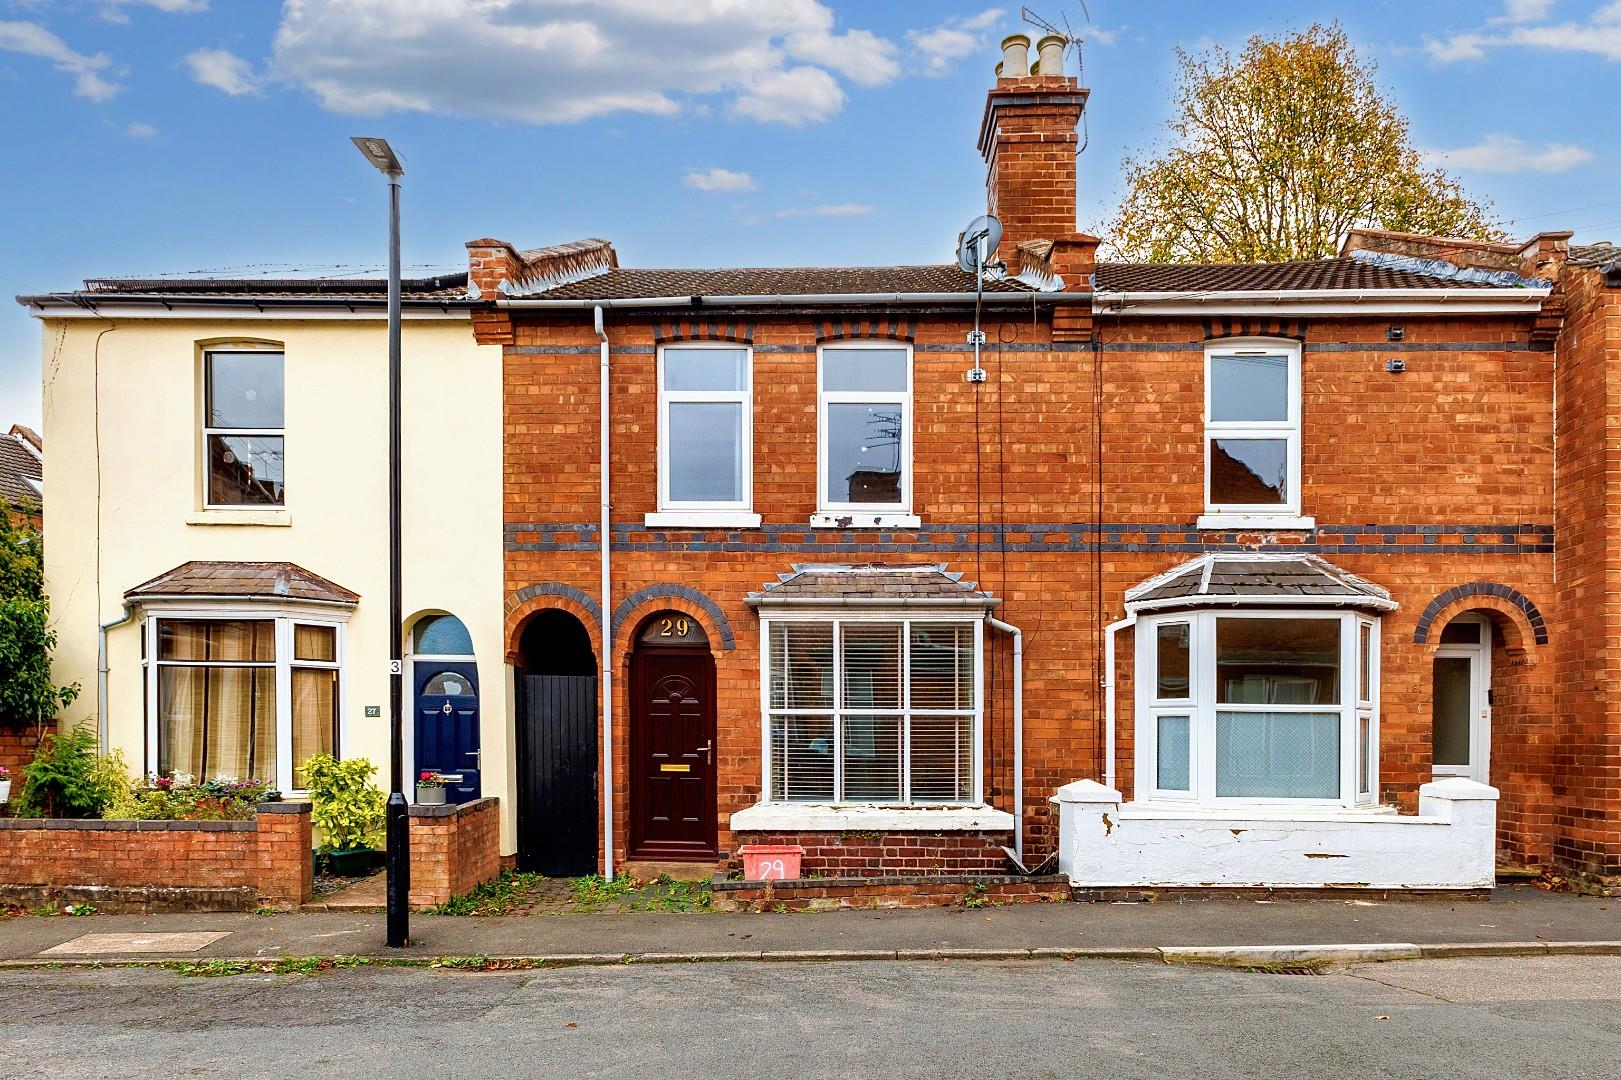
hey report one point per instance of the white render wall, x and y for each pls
(1451, 844)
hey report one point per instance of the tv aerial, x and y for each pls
(975, 247)
(1072, 40)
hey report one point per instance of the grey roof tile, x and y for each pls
(269, 580)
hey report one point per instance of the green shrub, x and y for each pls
(68, 779)
(343, 804)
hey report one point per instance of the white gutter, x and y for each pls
(1108, 696)
(1018, 732)
(102, 735)
(774, 300)
(607, 663)
(769, 601)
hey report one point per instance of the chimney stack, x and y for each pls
(1028, 139)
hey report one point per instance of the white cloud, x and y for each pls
(560, 61)
(224, 71)
(1523, 25)
(828, 210)
(113, 10)
(942, 46)
(31, 39)
(1508, 154)
(138, 130)
(719, 180)
(797, 96)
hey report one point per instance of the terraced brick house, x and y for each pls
(1258, 575)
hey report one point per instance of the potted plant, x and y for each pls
(5, 784)
(349, 812)
(430, 788)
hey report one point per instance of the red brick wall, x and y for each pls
(270, 855)
(454, 849)
(1585, 779)
(868, 854)
(17, 747)
(1462, 438)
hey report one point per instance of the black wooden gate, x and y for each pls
(557, 775)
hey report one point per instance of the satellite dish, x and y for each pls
(985, 230)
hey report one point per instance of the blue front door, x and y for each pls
(447, 725)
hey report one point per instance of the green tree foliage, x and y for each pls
(343, 803)
(67, 779)
(1275, 154)
(28, 697)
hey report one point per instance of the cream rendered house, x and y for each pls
(218, 527)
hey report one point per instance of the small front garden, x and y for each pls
(516, 893)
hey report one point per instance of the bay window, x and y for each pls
(872, 710)
(242, 694)
(1258, 705)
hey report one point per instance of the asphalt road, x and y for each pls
(1497, 1018)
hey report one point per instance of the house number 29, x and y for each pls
(674, 627)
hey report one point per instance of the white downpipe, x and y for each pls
(605, 534)
(103, 737)
(1108, 695)
(1018, 732)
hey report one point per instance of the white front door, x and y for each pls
(1461, 700)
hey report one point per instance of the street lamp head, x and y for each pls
(380, 154)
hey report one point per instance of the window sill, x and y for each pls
(869, 817)
(850, 519)
(1286, 522)
(240, 517)
(702, 519)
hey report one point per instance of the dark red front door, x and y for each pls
(672, 746)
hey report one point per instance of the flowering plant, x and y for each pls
(429, 778)
(5, 774)
(179, 797)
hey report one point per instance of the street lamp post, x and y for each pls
(381, 155)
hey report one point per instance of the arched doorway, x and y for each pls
(444, 682)
(557, 747)
(672, 740)
(1460, 699)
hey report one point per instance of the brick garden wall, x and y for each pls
(1426, 481)
(871, 854)
(156, 865)
(17, 747)
(454, 849)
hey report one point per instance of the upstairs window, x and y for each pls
(705, 425)
(864, 423)
(1252, 430)
(243, 434)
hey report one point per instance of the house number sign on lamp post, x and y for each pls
(382, 156)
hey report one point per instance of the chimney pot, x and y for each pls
(1015, 55)
(1050, 52)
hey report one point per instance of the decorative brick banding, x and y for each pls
(160, 865)
(897, 891)
(874, 854)
(454, 849)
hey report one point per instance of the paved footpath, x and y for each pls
(1525, 918)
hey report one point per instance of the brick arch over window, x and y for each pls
(1488, 596)
(1226, 326)
(866, 328)
(672, 591)
(547, 594)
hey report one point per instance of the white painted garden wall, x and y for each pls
(1451, 844)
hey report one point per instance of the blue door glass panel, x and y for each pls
(442, 635)
(447, 736)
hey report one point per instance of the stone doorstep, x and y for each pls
(648, 870)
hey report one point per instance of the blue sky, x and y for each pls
(161, 136)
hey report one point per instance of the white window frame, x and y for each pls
(905, 618)
(285, 617)
(1202, 707)
(208, 431)
(1480, 708)
(1256, 515)
(738, 512)
(897, 514)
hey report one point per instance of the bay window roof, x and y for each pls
(1260, 580)
(231, 580)
(873, 584)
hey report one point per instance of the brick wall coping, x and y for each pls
(285, 807)
(445, 810)
(722, 883)
(834, 817)
(140, 825)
